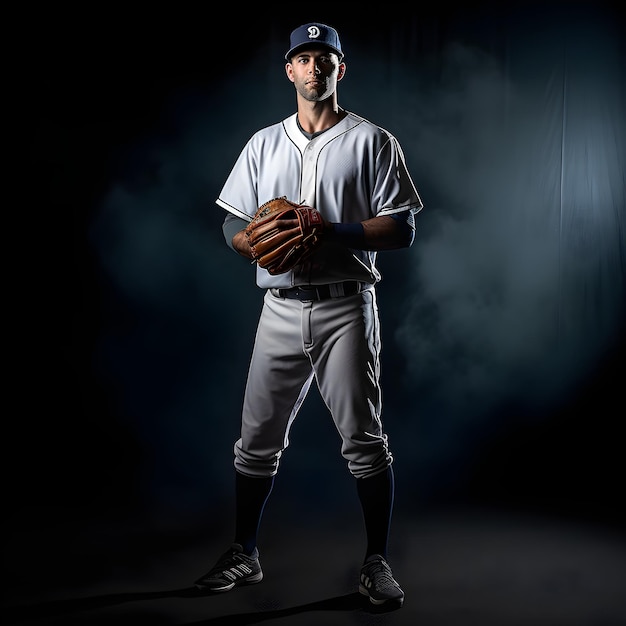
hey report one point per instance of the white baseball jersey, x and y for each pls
(350, 173)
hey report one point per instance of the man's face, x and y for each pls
(315, 72)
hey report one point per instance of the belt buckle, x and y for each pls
(303, 294)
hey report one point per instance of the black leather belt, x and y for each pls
(312, 293)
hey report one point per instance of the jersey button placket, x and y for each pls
(308, 174)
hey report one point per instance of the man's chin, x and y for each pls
(317, 95)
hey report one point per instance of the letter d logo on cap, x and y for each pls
(314, 32)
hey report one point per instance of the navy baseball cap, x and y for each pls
(314, 33)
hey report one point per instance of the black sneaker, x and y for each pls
(232, 568)
(378, 582)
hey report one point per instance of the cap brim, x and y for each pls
(303, 46)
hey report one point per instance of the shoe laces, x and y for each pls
(380, 574)
(233, 557)
(228, 559)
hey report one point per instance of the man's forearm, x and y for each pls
(378, 233)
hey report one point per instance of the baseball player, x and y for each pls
(319, 321)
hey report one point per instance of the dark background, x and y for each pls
(503, 326)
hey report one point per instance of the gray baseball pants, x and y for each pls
(335, 342)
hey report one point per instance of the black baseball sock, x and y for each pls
(376, 496)
(251, 495)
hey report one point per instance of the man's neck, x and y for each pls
(315, 117)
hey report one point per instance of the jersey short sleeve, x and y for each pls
(267, 167)
(394, 191)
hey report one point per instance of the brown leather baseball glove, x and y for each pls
(282, 234)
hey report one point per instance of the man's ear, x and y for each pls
(342, 71)
(289, 71)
